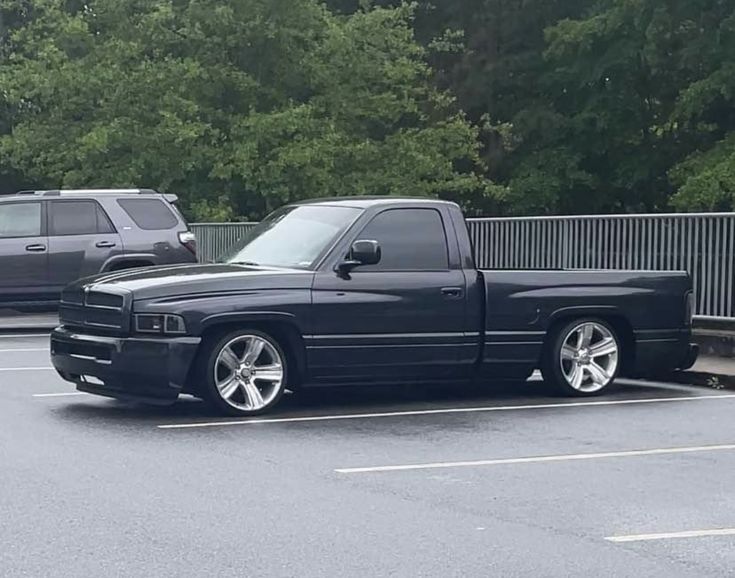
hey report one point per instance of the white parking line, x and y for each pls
(25, 368)
(440, 411)
(22, 335)
(672, 535)
(537, 459)
(66, 394)
(20, 349)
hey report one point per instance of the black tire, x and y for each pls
(209, 368)
(556, 371)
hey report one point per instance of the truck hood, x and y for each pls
(184, 280)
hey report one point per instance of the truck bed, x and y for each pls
(522, 306)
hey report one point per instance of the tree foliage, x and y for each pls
(239, 105)
(646, 88)
(593, 105)
(533, 107)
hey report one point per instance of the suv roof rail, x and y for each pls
(60, 192)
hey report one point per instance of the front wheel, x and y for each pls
(245, 373)
(583, 358)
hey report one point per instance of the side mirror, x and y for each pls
(365, 252)
(362, 252)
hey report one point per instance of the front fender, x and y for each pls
(205, 310)
(246, 316)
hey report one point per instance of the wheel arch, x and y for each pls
(281, 326)
(611, 315)
(128, 261)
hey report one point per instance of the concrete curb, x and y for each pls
(27, 328)
(15, 322)
(21, 328)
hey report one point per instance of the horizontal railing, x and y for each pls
(215, 239)
(701, 244)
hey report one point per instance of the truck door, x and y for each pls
(404, 316)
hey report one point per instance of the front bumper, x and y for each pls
(153, 370)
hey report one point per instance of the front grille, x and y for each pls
(97, 299)
(93, 311)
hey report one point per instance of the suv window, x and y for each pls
(78, 218)
(20, 220)
(149, 214)
(410, 240)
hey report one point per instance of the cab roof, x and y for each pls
(367, 202)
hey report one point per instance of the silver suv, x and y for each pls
(51, 238)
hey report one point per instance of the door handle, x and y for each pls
(452, 292)
(36, 248)
(105, 244)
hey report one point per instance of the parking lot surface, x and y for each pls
(423, 481)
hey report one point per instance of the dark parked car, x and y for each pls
(50, 238)
(362, 291)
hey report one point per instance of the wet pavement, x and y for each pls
(420, 481)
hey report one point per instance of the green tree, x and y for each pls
(641, 85)
(592, 105)
(238, 105)
(705, 110)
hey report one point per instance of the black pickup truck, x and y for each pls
(362, 291)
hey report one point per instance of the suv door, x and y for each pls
(403, 317)
(23, 253)
(81, 240)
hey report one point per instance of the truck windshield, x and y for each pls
(293, 237)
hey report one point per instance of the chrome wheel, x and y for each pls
(589, 357)
(248, 372)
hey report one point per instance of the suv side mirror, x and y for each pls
(362, 252)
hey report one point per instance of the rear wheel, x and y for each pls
(583, 358)
(244, 373)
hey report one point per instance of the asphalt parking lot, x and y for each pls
(440, 481)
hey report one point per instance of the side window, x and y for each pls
(78, 218)
(149, 214)
(410, 240)
(20, 220)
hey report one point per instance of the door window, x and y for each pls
(20, 220)
(78, 218)
(410, 240)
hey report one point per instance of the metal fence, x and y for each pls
(213, 239)
(701, 244)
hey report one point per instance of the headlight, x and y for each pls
(160, 323)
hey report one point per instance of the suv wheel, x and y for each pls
(583, 358)
(245, 373)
